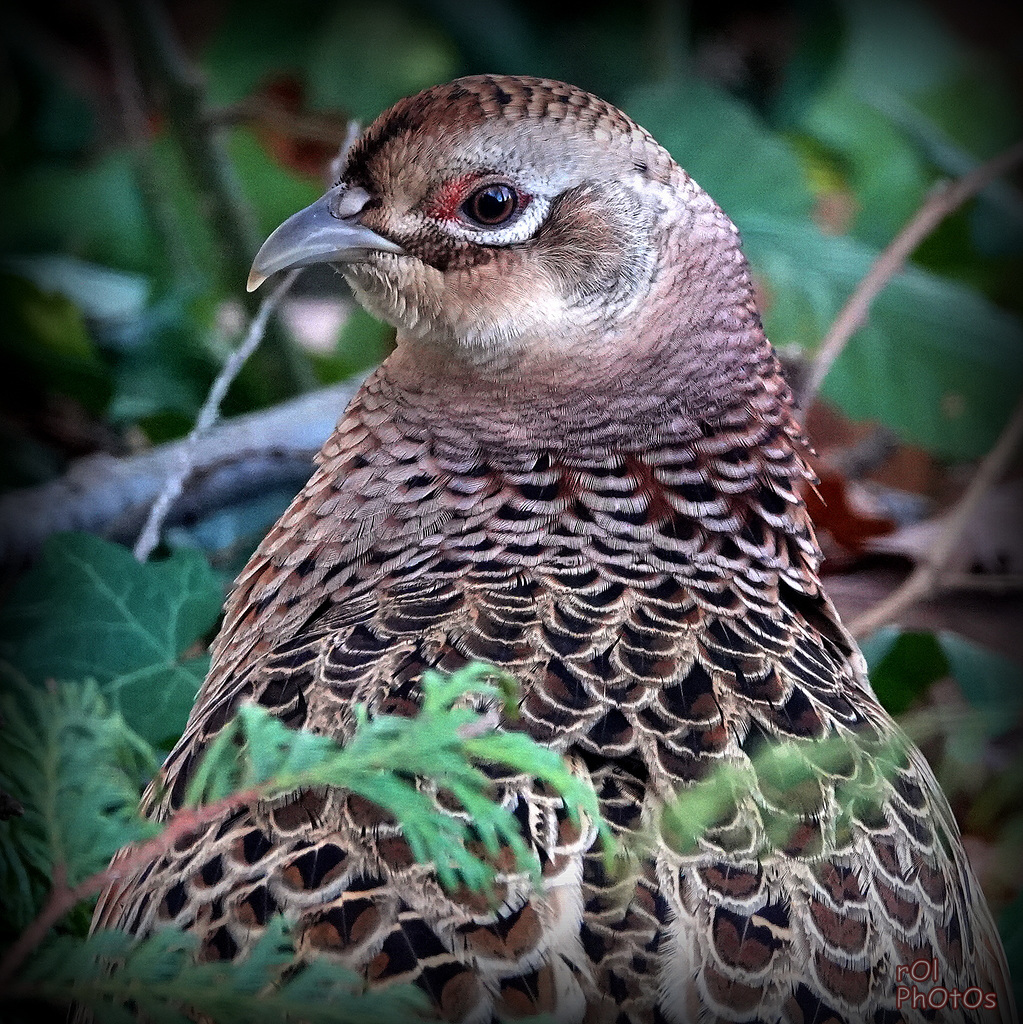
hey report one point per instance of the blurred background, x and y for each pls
(147, 149)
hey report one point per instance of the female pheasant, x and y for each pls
(580, 464)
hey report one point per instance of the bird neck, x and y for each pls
(737, 470)
(713, 381)
(691, 360)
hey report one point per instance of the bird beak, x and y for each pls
(326, 232)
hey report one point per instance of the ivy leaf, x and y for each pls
(77, 770)
(88, 610)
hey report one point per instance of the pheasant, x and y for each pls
(581, 465)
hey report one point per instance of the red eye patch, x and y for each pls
(447, 200)
(444, 203)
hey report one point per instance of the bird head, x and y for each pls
(494, 216)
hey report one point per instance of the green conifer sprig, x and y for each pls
(159, 980)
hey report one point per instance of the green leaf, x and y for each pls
(88, 609)
(726, 148)
(887, 174)
(995, 217)
(147, 387)
(354, 78)
(238, 59)
(990, 682)
(273, 192)
(168, 367)
(953, 351)
(904, 663)
(927, 52)
(96, 212)
(957, 356)
(820, 39)
(99, 292)
(78, 770)
(902, 666)
(962, 95)
(46, 347)
(939, 104)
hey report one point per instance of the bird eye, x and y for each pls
(491, 205)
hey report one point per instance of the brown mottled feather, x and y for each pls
(622, 530)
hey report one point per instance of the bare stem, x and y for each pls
(222, 205)
(160, 56)
(151, 175)
(938, 205)
(312, 127)
(926, 578)
(64, 898)
(239, 458)
(150, 535)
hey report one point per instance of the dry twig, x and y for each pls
(208, 414)
(63, 898)
(938, 205)
(241, 457)
(926, 578)
(306, 126)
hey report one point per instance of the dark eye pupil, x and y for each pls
(493, 204)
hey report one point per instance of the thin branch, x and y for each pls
(239, 458)
(64, 898)
(926, 578)
(160, 56)
(938, 205)
(307, 126)
(983, 582)
(151, 174)
(208, 414)
(219, 192)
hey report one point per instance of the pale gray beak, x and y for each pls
(326, 232)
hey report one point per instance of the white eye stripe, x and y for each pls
(524, 224)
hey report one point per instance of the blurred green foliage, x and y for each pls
(820, 147)
(820, 140)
